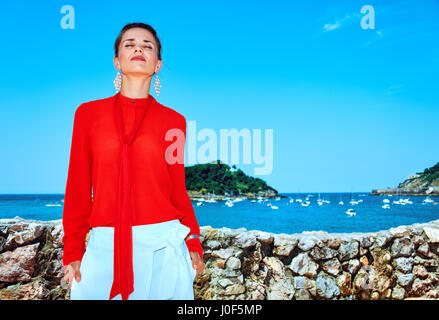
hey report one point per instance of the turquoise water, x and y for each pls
(289, 218)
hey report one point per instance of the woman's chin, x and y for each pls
(139, 72)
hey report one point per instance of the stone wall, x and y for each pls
(398, 263)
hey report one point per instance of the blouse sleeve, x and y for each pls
(77, 197)
(181, 200)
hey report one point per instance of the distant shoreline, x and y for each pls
(397, 192)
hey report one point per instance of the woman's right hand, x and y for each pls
(72, 270)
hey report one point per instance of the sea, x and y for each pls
(287, 214)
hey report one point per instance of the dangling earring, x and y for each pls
(157, 85)
(117, 81)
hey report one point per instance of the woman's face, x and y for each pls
(137, 42)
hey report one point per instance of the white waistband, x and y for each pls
(148, 237)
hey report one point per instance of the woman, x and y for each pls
(126, 182)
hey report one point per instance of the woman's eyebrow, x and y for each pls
(132, 39)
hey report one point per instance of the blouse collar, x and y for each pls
(133, 102)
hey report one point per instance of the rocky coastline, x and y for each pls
(431, 191)
(399, 263)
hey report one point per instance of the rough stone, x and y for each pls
(323, 253)
(402, 247)
(303, 265)
(405, 280)
(404, 264)
(398, 293)
(18, 265)
(344, 283)
(348, 250)
(326, 286)
(332, 266)
(284, 245)
(233, 263)
(245, 240)
(306, 243)
(432, 234)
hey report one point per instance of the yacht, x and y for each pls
(305, 204)
(427, 200)
(229, 203)
(351, 212)
(385, 206)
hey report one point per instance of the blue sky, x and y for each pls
(351, 109)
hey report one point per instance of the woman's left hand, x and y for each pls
(197, 262)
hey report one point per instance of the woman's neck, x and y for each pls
(135, 87)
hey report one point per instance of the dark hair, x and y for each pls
(138, 25)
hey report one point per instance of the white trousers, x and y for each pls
(161, 263)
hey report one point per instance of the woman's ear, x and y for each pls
(158, 66)
(116, 63)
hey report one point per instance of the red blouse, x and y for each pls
(126, 168)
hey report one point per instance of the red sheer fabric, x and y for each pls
(119, 152)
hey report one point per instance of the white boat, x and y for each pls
(351, 212)
(341, 202)
(253, 200)
(427, 200)
(386, 200)
(277, 198)
(199, 203)
(298, 200)
(274, 207)
(385, 206)
(305, 204)
(229, 203)
(353, 202)
(402, 202)
(53, 205)
(291, 200)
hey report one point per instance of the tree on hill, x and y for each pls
(218, 178)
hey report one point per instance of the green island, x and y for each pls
(217, 180)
